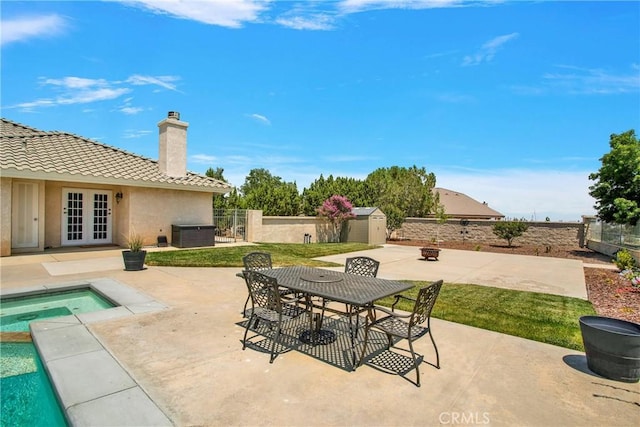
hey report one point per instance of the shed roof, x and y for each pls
(459, 205)
(26, 152)
(364, 211)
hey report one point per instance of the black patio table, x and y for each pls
(351, 289)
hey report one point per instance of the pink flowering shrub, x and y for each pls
(338, 210)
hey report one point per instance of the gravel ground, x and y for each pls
(611, 294)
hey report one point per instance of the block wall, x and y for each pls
(539, 233)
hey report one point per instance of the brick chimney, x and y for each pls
(172, 158)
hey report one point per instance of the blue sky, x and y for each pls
(511, 103)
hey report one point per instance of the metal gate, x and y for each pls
(230, 225)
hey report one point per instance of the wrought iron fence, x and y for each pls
(230, 225)
(615, 234)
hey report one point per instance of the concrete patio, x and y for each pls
(189, 360)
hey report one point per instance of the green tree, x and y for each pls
(617, 183)
(338, 210)
(509, 230)
(234, 200)
(323, 188)
(269, 193)
(220, 201)
(401, 192)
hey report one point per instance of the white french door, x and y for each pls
(86, 216)
(24, 215)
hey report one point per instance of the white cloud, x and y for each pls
(309, 22)
(353, 6)
(593, 81)
(225, 13)
(32, 105)
(203, 159)
(21, 29)
(525, 193)
(92, 95)
(127, 108)
(488, 50)
(79, 90)
(260, 118)
(303, 15)
(75, 90)
(132, 134)
(75, 82)
(582, 81)
(162, 81)
(131, 110)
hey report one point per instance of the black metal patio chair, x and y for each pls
(255, 261)
(409, 326)
(269, 305)
(362, 265)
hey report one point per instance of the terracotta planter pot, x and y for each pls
(612, 347)
(134, 261)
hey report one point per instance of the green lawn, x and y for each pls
(281, 255)
(551, 319)
(545, 318)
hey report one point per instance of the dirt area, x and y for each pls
(610, 294)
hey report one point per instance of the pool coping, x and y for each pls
(90, 384)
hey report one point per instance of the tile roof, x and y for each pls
(26, 152)
(459, 205)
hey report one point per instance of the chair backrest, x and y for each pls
(424, 303)
(256, 261)
(362, 266)
(263, 290)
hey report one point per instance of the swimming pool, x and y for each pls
(63, 345)
(27, 395)
(17, 313)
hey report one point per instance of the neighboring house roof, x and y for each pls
(360, 211)
(459, 205)
(26, 152)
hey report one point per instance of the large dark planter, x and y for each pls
(430, 253)
(133, 261)
(612, 347)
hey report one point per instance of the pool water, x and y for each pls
(27, 398)
(17, 313)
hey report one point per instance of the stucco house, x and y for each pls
(59, 189)
(459, 205)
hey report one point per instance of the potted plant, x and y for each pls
(134, 256)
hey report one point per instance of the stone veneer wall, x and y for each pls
(481, 231)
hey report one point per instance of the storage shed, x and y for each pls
(369, 226)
